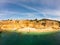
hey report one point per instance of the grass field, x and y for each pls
(43, 38)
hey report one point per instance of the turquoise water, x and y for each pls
(14, 38)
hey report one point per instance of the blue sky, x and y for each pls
(29, 9)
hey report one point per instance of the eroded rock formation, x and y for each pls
(38, 24)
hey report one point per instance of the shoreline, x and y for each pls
(33, 30)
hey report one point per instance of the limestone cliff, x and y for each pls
(38, 24)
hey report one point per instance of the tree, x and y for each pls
(35, 19)
(8, 19)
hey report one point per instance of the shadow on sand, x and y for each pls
(14, 38)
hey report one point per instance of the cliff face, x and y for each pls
(38, 24)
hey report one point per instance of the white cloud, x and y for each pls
(4, 14)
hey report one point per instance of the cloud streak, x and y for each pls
(30, 15)
(48, 8)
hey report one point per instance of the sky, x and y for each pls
(29, 9)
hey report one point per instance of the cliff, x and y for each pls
(37, 24)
